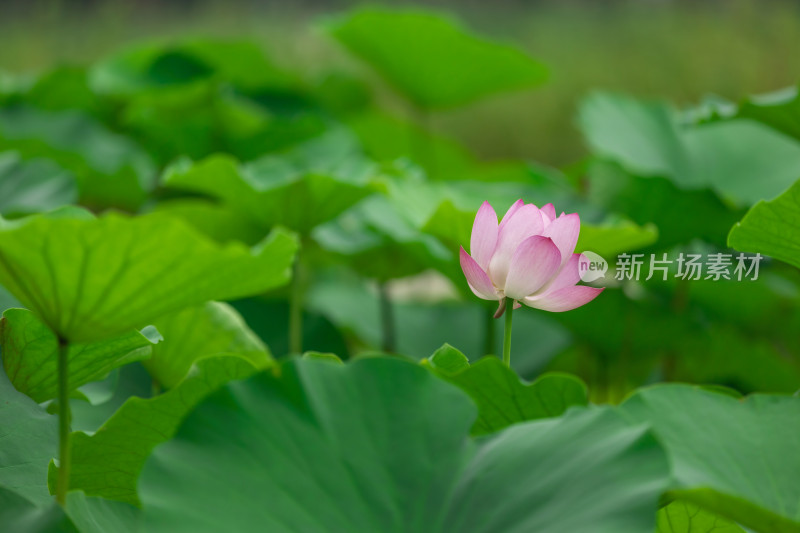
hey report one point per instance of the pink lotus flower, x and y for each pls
(528, 257)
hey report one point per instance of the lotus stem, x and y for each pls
(64, 419)
(507, 334)
(296, 309)
(387, 318)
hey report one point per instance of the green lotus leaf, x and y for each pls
(108, 462)
(431, 59)
(89, 279)
(28, 442)
(771, 228)
(735, 458)
(502, 398)
(34, 185)
(30, 355)
(382, 444)
(210, 329)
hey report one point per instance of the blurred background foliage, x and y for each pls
(377, 150)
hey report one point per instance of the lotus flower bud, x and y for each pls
(528, 257)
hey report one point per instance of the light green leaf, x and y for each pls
(87, 279)
(28, 442)
(393, 455)
(431, 59)
(682, 517)
(648, 140)
(111, 171)
(210, 329)
(301, 189)
(611, 238)
(735, 458)
(32, 186)
(771, 228)
(30, 355)
(108, 462)
(502, 398)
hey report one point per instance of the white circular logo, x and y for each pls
(591, 267)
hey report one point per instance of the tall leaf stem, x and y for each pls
(388, 344)
(64, 448)
(507, 332)
(296, 308)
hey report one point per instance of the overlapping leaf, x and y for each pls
(301, 189)
(109, 168)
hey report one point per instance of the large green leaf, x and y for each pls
(30, 355)
(110, 169)
(301, 189)
(33, 186)
(502, 398)
(210, 329)
(27, 443)
(88, 278)
(108, 462)
(648, 140)
(736, 458)
(431, 59)
(682, 517)
(393, 455)
(772, 228)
